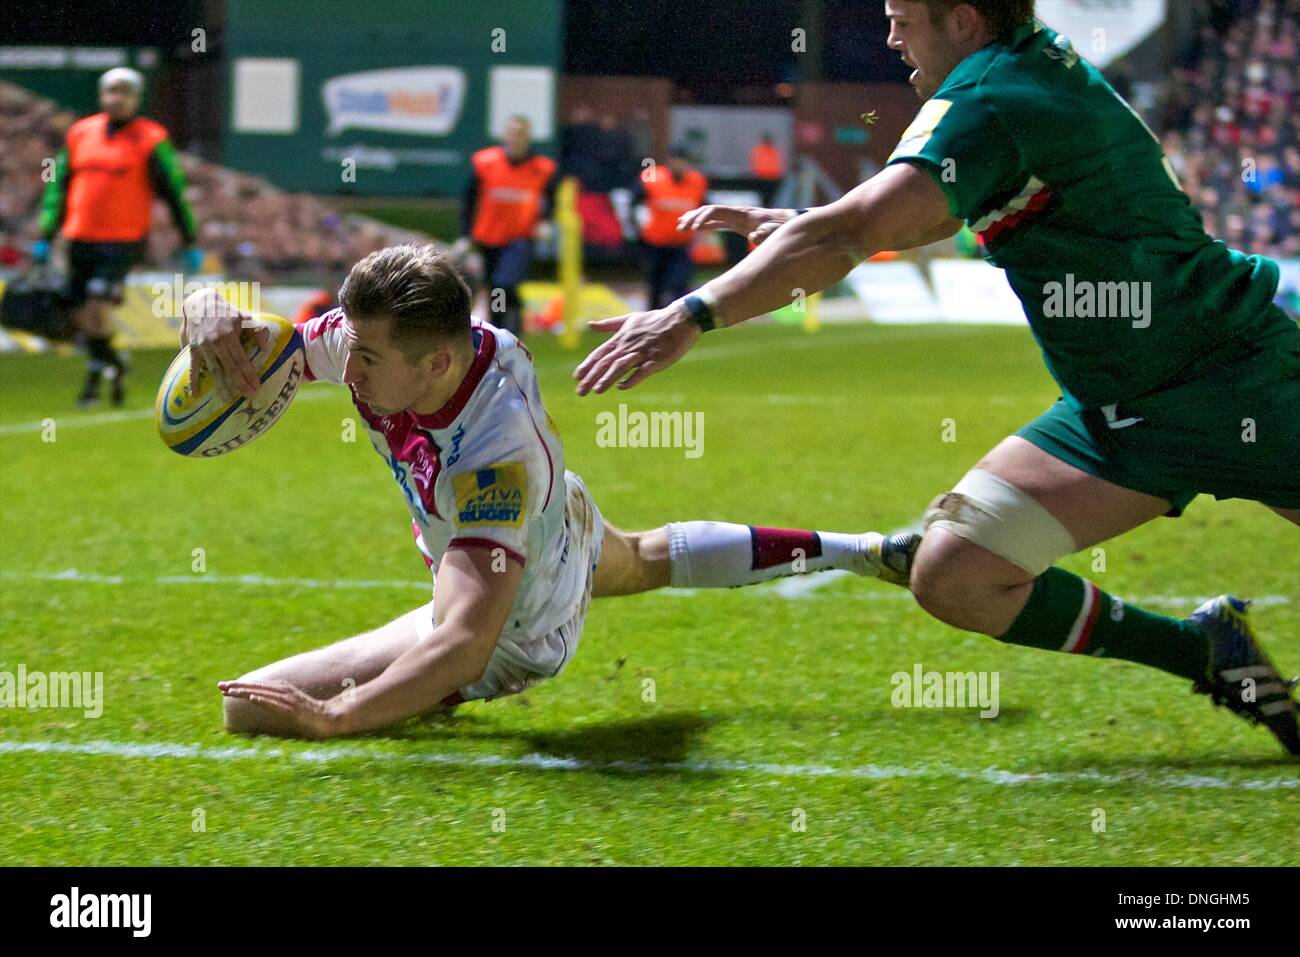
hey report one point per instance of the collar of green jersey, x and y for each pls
(1025, 31)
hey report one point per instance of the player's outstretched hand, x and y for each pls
(210, 327)
(311, 717)
(643, 343)
(753, 222)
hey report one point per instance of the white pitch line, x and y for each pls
(795, 588)
(803, 586)
(544, 762)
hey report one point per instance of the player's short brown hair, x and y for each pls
(418, 288)
(1004, 16)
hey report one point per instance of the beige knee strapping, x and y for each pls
(994, 514)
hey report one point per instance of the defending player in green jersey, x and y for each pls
(1128, 297)
(1178, 375)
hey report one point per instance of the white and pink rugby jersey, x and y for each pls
(485, 469)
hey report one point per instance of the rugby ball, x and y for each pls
(201, 424)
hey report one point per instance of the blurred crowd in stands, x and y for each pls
(1229, 126)
(248, 228)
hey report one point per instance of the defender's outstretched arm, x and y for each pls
(897, 208)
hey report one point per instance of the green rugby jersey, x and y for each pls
(1070, 194)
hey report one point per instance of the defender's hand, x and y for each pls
(753, 222)
(643, 343)
(210, 327)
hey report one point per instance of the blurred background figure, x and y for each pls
(766, 163)
(101, 196)
(507, 204)
(663, 193)
(317, 304)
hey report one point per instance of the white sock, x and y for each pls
(723, 555)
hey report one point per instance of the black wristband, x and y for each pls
(700, 312)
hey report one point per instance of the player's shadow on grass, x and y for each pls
(641, 744)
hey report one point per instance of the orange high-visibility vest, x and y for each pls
(766, 162)
(110, 194)
(509, 195)
(667, 198)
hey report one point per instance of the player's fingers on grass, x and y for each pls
(237, 689)
(264, 692)
(271, 702)
(275, 685)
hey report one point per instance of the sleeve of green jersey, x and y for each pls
(958, 140)
(169, 182)
(54, 200)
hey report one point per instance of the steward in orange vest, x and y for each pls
(766, 161)
(664, 193)
(507, 201)
(101, 198)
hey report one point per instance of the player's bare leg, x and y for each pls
(325, 672)
(972, 587)
(631, 562)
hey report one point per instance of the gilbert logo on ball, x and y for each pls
(200, 424)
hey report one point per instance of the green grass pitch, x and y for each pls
(770, 738)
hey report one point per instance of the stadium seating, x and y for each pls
(1228, 125)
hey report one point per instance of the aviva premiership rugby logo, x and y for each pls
(495, 495)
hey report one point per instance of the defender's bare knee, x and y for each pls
(967, 586)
